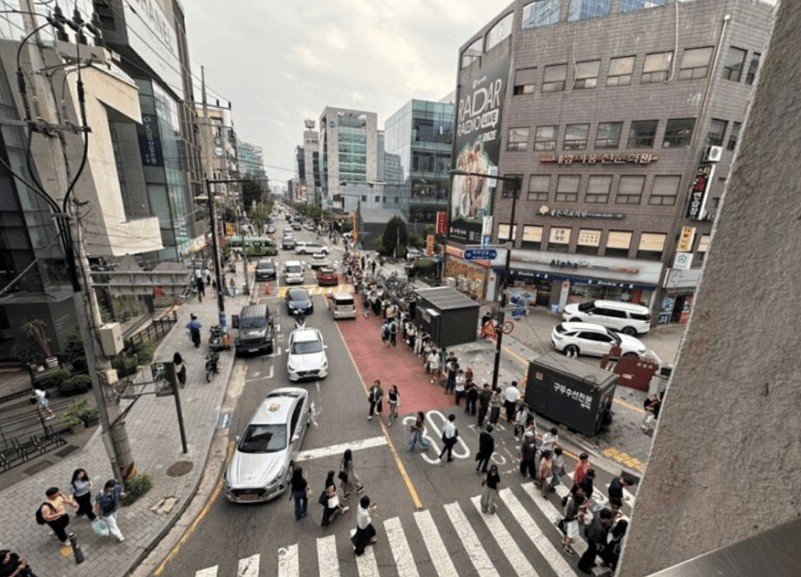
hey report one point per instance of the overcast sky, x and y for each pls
(281, 61)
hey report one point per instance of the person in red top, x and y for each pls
(581, 469)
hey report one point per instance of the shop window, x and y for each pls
(503, 232)
(500, 32)
(567, 187)
(538, 187)
(665, 190)
(553, 79)
(586, 74)
(559, 239)
(532, 237)
(545, 138)
(589, 241)
(586, 9)
(618, 243)
(695, 63)
(642, 133)
(629, 190)
(651, 246)
(656, 67)
(716, 132)
(620, 71)
(518, 139)
(734, 136)
(598, 189)
(472, 53)
(678, 133)
(576, 136)
(753, 68)
(733, 64)
(608, 136)
(525, 78)
(633, 5)
(541, 13)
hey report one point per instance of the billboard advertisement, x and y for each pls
(476, 149)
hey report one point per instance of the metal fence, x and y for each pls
(29, 434)
(155, 331)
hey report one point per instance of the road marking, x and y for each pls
(366, 563)
(327, 560)
(207, 572)
(440, 557)
(535, 534)
(257, 376)
(404, 562)
(624, 459)
(629, 406)
(249, 566)
(288, 561)
(506, 543)
(551, 512)
(478, 556)
(330, 450)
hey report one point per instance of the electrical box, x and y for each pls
(111, 339)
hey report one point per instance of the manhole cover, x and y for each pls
(180, 468)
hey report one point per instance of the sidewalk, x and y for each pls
(153, 430)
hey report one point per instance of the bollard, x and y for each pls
(77, 552)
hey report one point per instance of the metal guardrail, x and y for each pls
(27, 435)
(155, 331)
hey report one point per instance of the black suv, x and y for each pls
(265, 270)
(254, 330)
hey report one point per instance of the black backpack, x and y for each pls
(39, 517)
(323, 500)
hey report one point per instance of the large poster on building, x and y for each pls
(476, 149)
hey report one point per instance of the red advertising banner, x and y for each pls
(442, 222)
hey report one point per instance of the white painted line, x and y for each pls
(553, 557)
(552, 512)
(366, 563)
(288, 562)
(404, 562)
(339, 449)
(506, 543)
(207, 572)
(440, 557)
(248, 566)
(478, 556)
(327, 560)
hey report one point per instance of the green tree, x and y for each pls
(251, 192)
(395, 237)
(259, 215)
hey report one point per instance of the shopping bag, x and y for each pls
(100, 528)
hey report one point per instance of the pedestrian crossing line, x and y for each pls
(469, 539)
(248, 567)
(535, 534)
(366, 563)
(404, 561)
(506, 543)
(288, 562)
(552, 512)
(207, 572)
(327, 560)
(440, 557)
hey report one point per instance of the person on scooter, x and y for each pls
(194, 327)
(300, 321)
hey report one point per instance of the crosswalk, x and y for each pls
(528, 546)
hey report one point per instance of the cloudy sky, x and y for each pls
(281, 61)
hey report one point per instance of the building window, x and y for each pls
(567, 186)
(695, 63)
(364, 198)
(733, 64)
(678, 133)
(538, 187)
(545, 138)
(717, 130)
(586, 9)
(620, 71)
(665, 190)
(524, 81)
(618, 243)
(632, 5)
(500, 32)
(656, 67)
(378, 198)
(598, 189)
(588, 242)
(518, 139)
(541, 13)
(734, 136)
(553, 79)
(532, 237)
(472, 53)
(576, 136)
(503, 231)
(510, 187)
(608, 135)
(642, 133)
(629, 190)
(397, 200)
(703, 243)
(651, 246)
(586, 74)
(559, 239)
(753, 68)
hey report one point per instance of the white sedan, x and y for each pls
(306, 357)
(593, 340)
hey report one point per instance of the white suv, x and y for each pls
(624, 317)
(310, 248)
(593, 340)
(306, 358)
(293, 272)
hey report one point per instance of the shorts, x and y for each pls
(572, 529)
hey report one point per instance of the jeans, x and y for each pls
(301, 504)
(417, 437)
(393, 414)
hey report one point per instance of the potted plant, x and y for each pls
(37, 330)
(81, 413)
(72, 416)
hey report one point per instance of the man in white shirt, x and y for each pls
(449, 436)
(510, 397)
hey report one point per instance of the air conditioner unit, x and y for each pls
(713, 153)
(111, 339)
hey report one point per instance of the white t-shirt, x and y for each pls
(449, 431)
(511, 394)
(363, 518)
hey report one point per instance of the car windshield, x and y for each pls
(298, 295)
(263, 439)
(306, 347)
(586, 307)
(250, 323)
(346, 302)
(293, 269)
(265, 266)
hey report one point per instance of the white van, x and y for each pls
(627, 318)
(342, 306)
(293, 272)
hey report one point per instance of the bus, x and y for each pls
(254, 245)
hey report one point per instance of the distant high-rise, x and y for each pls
(251, 159)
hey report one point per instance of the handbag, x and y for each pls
(562, 526)
(380, 406)
(323, 500)
(100, 528)
(343, 476)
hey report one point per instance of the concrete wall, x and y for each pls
(727, 449)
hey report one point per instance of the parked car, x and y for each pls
(306, 358)
(310, 248)
(627, 318)
(265, 269)
(593, 340)
(327, 276)
(288, 243)
(264, 459)
(342, 306)
(254, 330)
(293, 272)
(298, 300)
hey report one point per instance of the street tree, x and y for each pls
(259, 215)
(395, 237)
(251, 192)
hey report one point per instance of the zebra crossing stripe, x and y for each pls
(440, 557)
(404, 562)
(366, 563)
(248, 566)
(535, 534)
(478, 556)
(551, 511)
(327, 560)
(288, 562)
(506, 543)
(207, 572)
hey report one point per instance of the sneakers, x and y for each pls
(369, 417)
(120, 539)
(568, 550)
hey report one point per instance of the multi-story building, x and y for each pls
(419, 142)
(218, 141)
(620, 123)
(251, 159)
(307, 158)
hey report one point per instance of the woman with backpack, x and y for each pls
(82, 493)
(348, 476)
(53, 513)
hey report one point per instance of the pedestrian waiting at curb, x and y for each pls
(299, 491)
(365, 532)
(417, 435)
(489, 493)
(347, 474)
(53, 512)
(528, 455)
(107, 504)
(82, 493)
(510, 397)
(496, 402)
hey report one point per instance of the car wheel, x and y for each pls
(631, 331)
(571, 351)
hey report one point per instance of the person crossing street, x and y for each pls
(449, 436)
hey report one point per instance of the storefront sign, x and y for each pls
(573, 213)
(486, 230)
(608, 159)
(683, 260)
(453, 251)
(682, 279)
(430, 245)
(702, 181)
(149, 141)
(569, 264)
(686, 239)
(442, 222)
